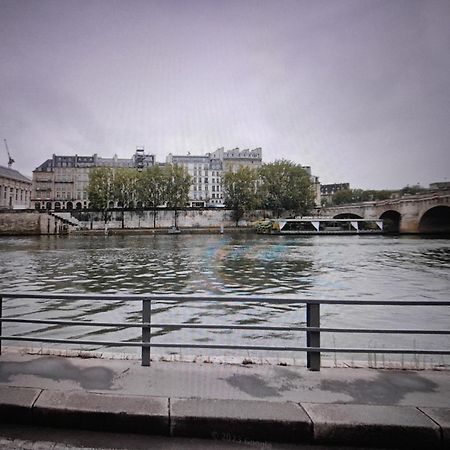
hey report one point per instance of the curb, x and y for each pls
(336, 424)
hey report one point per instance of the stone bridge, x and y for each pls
(422, 213)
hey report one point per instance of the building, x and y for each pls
(440, 185)
(328, 190)
(62, 181)
(15, 189)
(234, 159)
(207, 172)
(315, 185)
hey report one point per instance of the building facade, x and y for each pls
(328, 190)
(440, 185)
(15, 189)
(315, 185)
(207, 172)
(62, 181)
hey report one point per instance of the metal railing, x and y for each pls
(313, 329)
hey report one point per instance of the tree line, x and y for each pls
(128, 188)
(279, 186)
(360, 195)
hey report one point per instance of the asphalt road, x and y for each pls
(17, 437)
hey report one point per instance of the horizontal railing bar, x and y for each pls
(229, 347)
(223, 298)
(219, 327)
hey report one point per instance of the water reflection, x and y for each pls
(363, 267)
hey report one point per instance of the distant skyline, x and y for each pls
(357, 89)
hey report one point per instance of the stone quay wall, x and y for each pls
(29, 222)
(165, 218)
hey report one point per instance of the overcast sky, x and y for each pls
(359, 90)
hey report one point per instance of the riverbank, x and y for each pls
(380, 408)
(162, 231)
(196, 220)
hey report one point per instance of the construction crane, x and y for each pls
(10, 160)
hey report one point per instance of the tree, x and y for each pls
(151, 188)
(177, 188)
(412, 190)
(359, 195)
(240, 189)
(100, 189)
(342, 197)
(124, 188)
(286, 186)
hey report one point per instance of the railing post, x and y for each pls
(1, 323)
(313, 337)
(146, 331)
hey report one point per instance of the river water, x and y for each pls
(330, 267)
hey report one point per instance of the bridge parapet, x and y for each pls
(411, 209)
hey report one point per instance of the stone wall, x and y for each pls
(37, 223)
(165, 218)
(25, 223)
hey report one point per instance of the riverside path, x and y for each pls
(266, 403)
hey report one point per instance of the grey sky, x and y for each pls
(359, 90)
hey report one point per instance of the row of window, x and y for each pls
(201, 196)
(21, 194)
(61, 205)
(198, 187)
(206, 180)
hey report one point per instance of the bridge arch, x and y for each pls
(347, 216)
(435, 220)
(391, 219)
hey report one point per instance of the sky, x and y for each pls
(357, 89)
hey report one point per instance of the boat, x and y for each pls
(320, 225)
(174, 230)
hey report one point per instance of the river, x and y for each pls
(331, 267)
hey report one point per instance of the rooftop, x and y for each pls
(13, 174)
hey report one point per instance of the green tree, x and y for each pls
(286, 186)
(124, 188)
(412, 190)
(343, 197)
(151, 188)
(101, 190)
(359, 195)
(240, 189)
(177, 188)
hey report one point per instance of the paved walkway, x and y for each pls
(384, 408)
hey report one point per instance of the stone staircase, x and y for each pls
(65, 218)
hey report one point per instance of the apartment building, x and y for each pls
(328, 190)
(62, 181)
(15, 189)
(207, 172)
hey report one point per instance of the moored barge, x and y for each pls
(322, 225)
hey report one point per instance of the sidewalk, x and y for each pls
(365, 407)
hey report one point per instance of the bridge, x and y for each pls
(421, 213)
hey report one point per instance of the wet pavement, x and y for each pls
(428, 388)
(238, 402)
